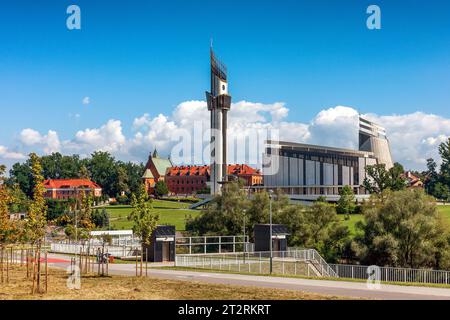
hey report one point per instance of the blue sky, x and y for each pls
(137, 57)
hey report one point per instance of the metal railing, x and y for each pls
(115, 251)
(212, 244)
(391, 274)
(294, 262)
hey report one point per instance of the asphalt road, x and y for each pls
(325, 287)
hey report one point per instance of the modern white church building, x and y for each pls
(306, 172)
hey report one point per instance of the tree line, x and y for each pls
(115, 177)
(400, 228)
(437, 180)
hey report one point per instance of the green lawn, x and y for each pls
(170, 213)
(444, 210)
(351, 223)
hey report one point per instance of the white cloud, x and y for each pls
(86, 100)
(5, 153)
(414, 137)
(49, 142)
(108, 137)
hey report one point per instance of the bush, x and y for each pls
(123, 200)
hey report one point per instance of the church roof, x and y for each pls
(148, 174)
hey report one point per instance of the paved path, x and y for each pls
(335, 288)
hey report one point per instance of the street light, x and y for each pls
(270, 226)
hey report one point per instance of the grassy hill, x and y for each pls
(172, 213)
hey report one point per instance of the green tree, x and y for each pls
(224, 214)
(444, 152)
(379, 179)
(347, 201)
(144, 220)
(102, 167)
(161, 189)
(402, 229)
(441, 191)
(22, 175)
(101, 218)
(36, 220)
(6, 226)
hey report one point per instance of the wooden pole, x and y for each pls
(34, 271)
(7, 265)
(46, 272)
(38, 285)
(28, 262)
(107, 262)
(146, 261)
(135, 252)
(1, 262)
(142, 258)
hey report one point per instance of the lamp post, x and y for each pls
(270, 227)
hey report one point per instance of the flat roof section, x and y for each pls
(322, 149)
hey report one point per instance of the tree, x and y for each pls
(223, 216)
(6, 227)
(144, 220)
(36, 220)
(379, 179)
(441, 191)
(21, 174)
(444, 152)
(161, 189)
(101, 218)
(347, 201)
(102, 167)
(402, 229)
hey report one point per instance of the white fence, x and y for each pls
(295, 262)
(390, 274)
(115, 251)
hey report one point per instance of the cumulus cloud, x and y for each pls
(414, 137)
(5, 153)
(49, 142)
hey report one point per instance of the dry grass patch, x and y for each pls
(131, 288)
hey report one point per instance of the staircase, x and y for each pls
(200, 204)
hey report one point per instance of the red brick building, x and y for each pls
(70, 188)
(190, 179)
(155, 170)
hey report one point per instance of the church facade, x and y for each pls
(155, 170)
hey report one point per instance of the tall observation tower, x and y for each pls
(219, 102)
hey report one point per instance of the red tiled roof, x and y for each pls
(233, 169)
(70, 183)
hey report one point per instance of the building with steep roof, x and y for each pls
(155, 170)
(191, 179)
(70, 188)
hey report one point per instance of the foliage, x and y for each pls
(437, 183)
(56, 208)
(316, 227)
(161, 189)
(223, 215)
(6, 226)
(379, 179)
(403, 229)
(347, 201)
(114, 176)
(144, 220)
(36, 220)
(100, 218)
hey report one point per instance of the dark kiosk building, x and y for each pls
(262, 237)
(162, 248)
